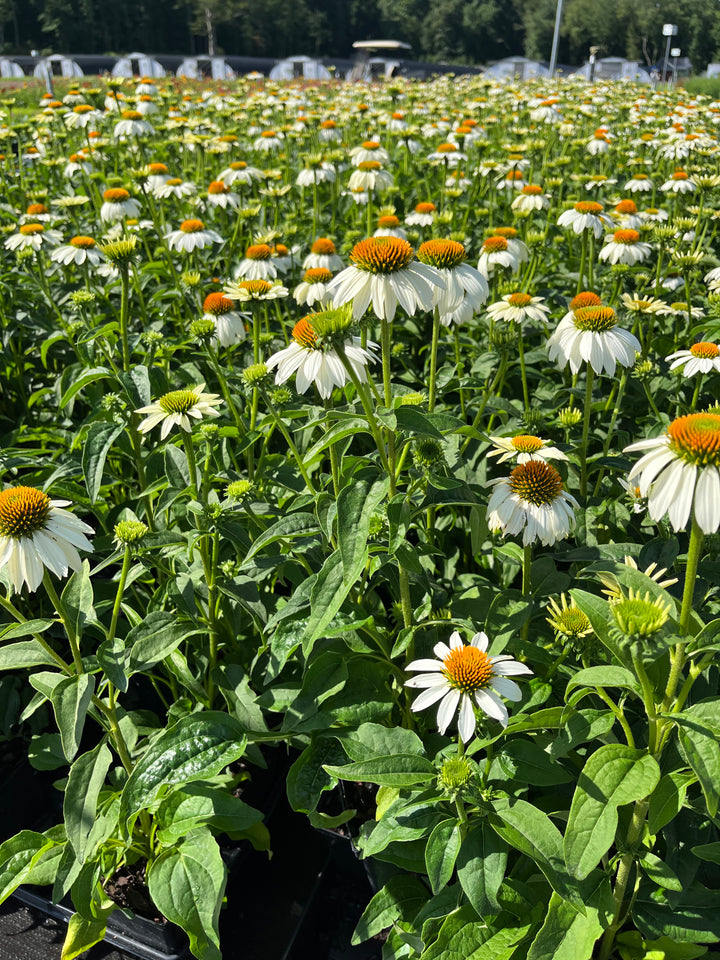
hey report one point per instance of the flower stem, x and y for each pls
(523, 372)
(69, 628)
(433, 360)
(697, 538)
(586, 427)
(290, 442)
(119, 595)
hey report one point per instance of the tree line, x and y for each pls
(453, 31)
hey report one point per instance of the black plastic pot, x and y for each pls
(133, 935)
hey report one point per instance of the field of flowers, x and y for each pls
(371, 435)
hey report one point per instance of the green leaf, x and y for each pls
(99, 440)
(581, 727)
(112, 656)
(26, 629)
(87, 376)
(87, 775)
(660, 873)
(605, 676)
(197, 747)
(187, 884)
(441, 853)
(154, 639)
(708, 851)
(356, 504)
(307, 778)
(25, 653)
(336, 433)
(525, 762)
(691, 917)
(45, 752)
(288, 528)
(198, 804)
(329, 592)
(463, 937)
(399, 899)
(667, 800)
(375, 740)
(17, 856)
(566, 934)
(613, 776)
(481, 867)
(412, 420)
(399, 770)
(701, 750)
(77, 598)
(529, 830)
(597, 610)
(71, 699)
(81, 935)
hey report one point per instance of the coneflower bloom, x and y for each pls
(591, 335)
(178, 409)
(192, 235)
(383, 271)
(531, 198)
(239, 172)
(624, 246)
(132, 125)
(118, 204)
(82, 115)
(369, 150)
(586, 215)
(464, 289)
(174, 187)
(312, 358)
(496, 252)
(257, 264)
(268, 141)
(639, 183)
(79, 250)
(465, 676)
(314, 287)
(532, 501)
(389, 226)
(368, 176)
(525, 447)
(31, 236)
(702, 357)
(518, 308)
(448, 153)
(679, 182)
(37, 533)
(220, 195)
(422, 216)
(323, 254)
(679, 472)
(229, 323)
(246, 290)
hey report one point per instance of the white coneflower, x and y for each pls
(315, 173)
(314, 287)
(79, 250)
(31, 236)
(37, 533)
(639, 183)
(624, 246)
(679, 472)
(192, 235)
(702, 357)
(117, 205)
(312, 360)
(179, 408)
(591, 335)
(447, 153)
(173, 187)
(368, 176)
(132, 125)
(323, 254)
(383, 271)
(679, 182)
(518, 308)
(531, 198)
(81, 116)
(532, 501)
(422, 216)
(257, 264)
(369, 150)
(229, 323)
(496, 252)
(465, 676)
(268, 141)
(586, 215)
(525, 447)
(220, 195)
(239, 172)
(246, 290)
(389, 226)
(464, 289)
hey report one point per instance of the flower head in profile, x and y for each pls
(38, 533)
(525, 447)
(383, 271)
(192, 235)
(519, 308)
(179, 408)
(229, 323)
(624, 246)
(702, 357)
(246, 290)
(679, 472)
(320, 342)
(567, 619)
(586, 215)
(464, 676)
(465, 289)
(591, 335)
(532, 501)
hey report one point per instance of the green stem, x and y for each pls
(12, 609)
(289, 440)
(585, 431)
(433, 360)
(69, 628)
(119, 595)
(695, 546)
(523, 372)
(124, 315)
(191, 462)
